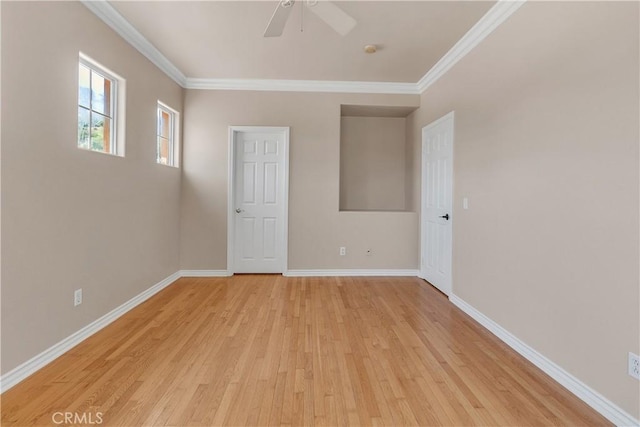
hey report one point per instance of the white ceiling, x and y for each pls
(223, 39)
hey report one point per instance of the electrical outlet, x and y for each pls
(634, 365)
(343, 251)
(77, 297)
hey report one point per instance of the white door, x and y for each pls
(437, 194)
(260, 199)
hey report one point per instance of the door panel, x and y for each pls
(248, 226)
(270, 183)
(437, 196)
(271, 146)
(259, 201)
(269, 230)
(249, 181)
(250, 147)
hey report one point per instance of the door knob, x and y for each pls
(239, 210)
(445, 216)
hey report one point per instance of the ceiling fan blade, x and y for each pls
(335, 17)
(278, 20)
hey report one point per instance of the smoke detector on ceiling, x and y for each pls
(370, 48)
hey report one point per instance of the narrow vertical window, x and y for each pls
(167, 149)
(97, 108)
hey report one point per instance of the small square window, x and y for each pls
(167, 147)
(99, 108)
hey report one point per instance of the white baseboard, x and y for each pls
(350, 272)
(204, 273)
(591, 397)
(39, 361)
(32, 365)
(594, 399)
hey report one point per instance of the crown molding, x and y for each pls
(302, 86)
(485, 26)
(103, 10)
(499, 13)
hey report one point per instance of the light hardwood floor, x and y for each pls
(261, 349)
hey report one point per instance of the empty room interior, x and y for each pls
(320, 212)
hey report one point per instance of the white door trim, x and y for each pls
(423, 214)
(233, 130)
(450, 115)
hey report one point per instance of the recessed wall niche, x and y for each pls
(373, 158)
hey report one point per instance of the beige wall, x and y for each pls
(71, 218)
(546, 150)
(372, 163)
(316, 227)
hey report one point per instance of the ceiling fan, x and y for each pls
(335, 17)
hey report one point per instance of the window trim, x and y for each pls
(174, 135)
(116, 107)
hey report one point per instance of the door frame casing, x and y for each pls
(421, 269)
(233, 131)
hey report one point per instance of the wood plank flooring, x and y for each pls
(270, 350)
